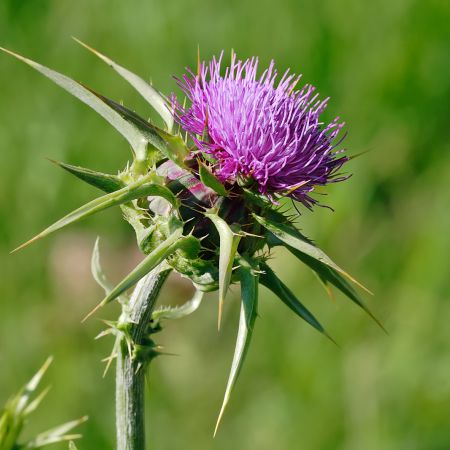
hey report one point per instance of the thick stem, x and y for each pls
(130, 372)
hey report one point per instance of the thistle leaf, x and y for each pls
(209, 180)
(105, 182)
(165, 249)
(273, 283)
(329, 275)
(131, 192)
(151, 95)
(178, 312)
(249, 310)
(31, 386)
(290, 236)
(57, 434)
(171, 146)
(229, 242)
(14, 415)
(130, 132)
(32, 406)
(99, 274)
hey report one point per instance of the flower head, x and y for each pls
(256, 128)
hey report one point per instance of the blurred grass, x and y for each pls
(386, 66)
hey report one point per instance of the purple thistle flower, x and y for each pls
(255, 129)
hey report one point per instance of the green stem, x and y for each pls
(130, 372)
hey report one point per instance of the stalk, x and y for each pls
(130, 370)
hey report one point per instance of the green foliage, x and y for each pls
(153, 97)
(15, 414)
(229, 241)
(249, 310)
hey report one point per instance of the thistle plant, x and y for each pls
(209, 193)
(16, 412)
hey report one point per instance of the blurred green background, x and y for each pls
(386, 65)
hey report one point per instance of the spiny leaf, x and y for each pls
(209, 180)
(99, 274)
(330, 275)
(170, 145)
(272, 282)
(130, 132)
(105, 182)
(31, 386)
(32, 406)
(57, 434)
(292, 237)
(229, 242)
(153, 97)
(249, 310)
(165, 249)
(177, 312)
(131, 192)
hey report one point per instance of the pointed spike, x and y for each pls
(248, 314)
(106, 182)
(166, 248)
(132, 134)
(334, 277)
(270, 280)
(92, 312)
(131, 192)
(292, 238)
(37, 401)
(219, 313)
(229, 241)
(146, 90)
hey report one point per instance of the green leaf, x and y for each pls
(177, 312)
(161, 252)
(57, 434)
(99, 274)
(290, 236)
(72, 446)
(331, 276)
(130, 132)
(229, 242)
(31, 386)
(16, 411)
(131, 192)
(151, 95)
(249, 310)
(209, 180)
(272, 282)
(105, 182)
(171, 146)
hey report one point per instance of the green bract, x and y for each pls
(187, 220)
